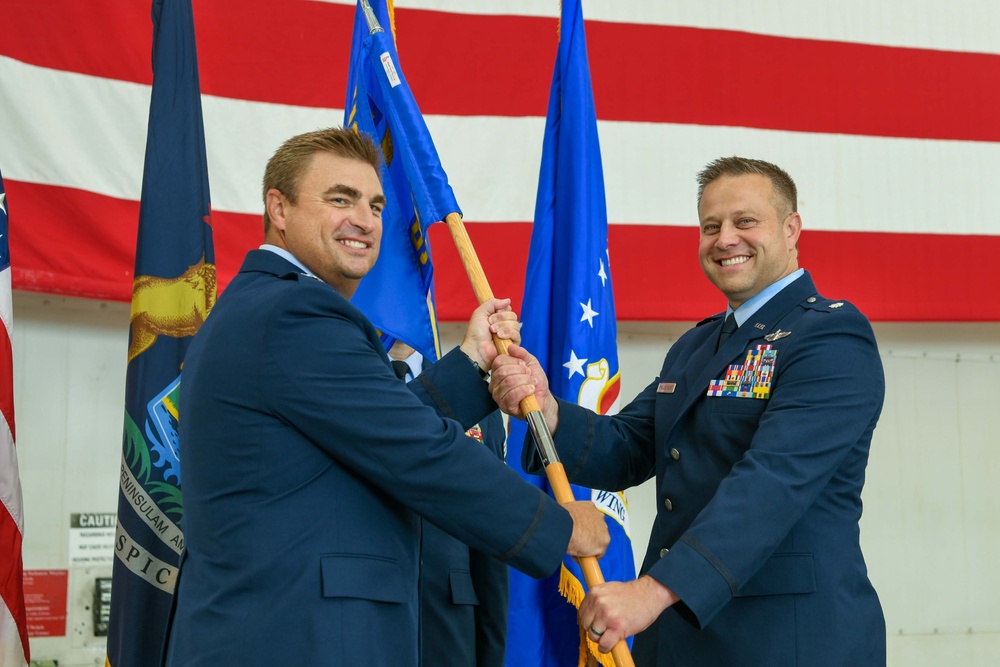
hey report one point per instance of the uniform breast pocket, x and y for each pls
(737, 406)
(362, 577)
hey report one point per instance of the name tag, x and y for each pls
(666, 387)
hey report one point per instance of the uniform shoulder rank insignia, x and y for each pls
(751, 379)
(777, 335)
(838, 304)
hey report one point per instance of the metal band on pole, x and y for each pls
(532, 412)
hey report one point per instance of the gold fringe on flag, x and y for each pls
(571, 589)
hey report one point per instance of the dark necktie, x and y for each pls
(401, 368)
(728, 328)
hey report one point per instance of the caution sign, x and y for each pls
(91, 539)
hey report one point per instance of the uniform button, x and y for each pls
(663, 552)
(668, 504)
(675, 454)
(811, 299)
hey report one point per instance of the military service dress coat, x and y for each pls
(464, 593)
(306, 465)
(758, 486)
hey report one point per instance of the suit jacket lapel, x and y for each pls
(705, 365)
(265, 261)
(702, 358)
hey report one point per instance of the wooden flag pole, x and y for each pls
(532, 412)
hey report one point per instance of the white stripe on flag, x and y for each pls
(94, 135)
(11, 654)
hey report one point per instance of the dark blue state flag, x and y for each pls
(173, 291)
(569, 325)
(397, 294)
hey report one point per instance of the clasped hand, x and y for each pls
(517, 375)
(619, 610)
(493, 316)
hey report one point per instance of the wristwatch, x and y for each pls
(483, 374)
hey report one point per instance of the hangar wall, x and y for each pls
(932, 509)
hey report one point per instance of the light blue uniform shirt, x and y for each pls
(756, 302)
(281, 252)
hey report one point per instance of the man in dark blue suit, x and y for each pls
(464, 593)
(307, 465)
(757, 429)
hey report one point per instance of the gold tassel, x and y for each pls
(571, 589)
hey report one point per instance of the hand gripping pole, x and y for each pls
(554, 470)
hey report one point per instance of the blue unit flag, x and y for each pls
(397, 294)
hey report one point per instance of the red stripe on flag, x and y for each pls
(7, 380)
(660, 281)
(647, 73)
(100, 38)
(11, 564)
(11, 583)
(83, 244)
(76, 243)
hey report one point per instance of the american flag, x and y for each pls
(13, 624)
(884, 112)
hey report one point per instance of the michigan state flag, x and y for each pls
(173, 291)
(397, 294)
(569, 325)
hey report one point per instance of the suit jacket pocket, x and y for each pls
(364, 577)
(462, 591)
(782, 574)
(734, 405)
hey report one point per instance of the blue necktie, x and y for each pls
(728, 328)
(401, 368)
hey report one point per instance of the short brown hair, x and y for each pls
(285, 168)
(784, 187)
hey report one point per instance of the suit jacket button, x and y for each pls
(668, 504)
(675, 454)
(663, 552)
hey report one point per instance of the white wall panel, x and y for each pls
(932, 510)
(948, 650)
(69, 370)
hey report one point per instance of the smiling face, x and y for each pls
(335, 225)
(748, 236)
